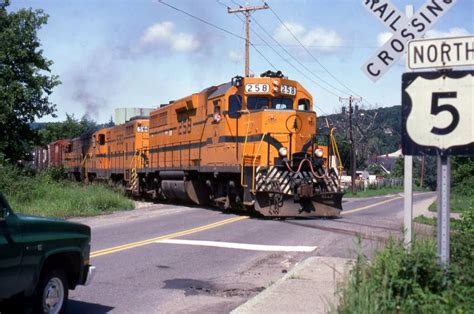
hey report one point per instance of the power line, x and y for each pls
(309, 52)
(302, 64)
(276, 52)
(247, 12)
(217, 27)
(295, 59)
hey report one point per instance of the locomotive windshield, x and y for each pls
(256, 103)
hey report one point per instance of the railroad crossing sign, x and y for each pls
(438, 113)
(403, 30)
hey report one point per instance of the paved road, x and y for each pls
(140, 271)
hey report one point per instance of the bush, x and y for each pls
(409, 281)
(56, 173)
(48, 194)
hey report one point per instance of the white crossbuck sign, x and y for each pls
(403, 30)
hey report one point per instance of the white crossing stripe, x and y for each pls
(241, 246)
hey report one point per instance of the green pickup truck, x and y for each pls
(41, 259)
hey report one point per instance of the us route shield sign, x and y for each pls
(438, 113)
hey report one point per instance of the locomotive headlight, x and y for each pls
(283, 151)
(318, 152)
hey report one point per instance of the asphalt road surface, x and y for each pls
(168, 259)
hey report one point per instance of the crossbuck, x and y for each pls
(403, 29)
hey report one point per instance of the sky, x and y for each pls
(122, 53)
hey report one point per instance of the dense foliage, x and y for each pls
(50, 194)
(412, 281)
(69, 128)
(375, 132)
(25, 80)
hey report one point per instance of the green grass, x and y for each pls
(459, 202)
(425, 220)
(43, 195)
(454, 223)
(380, 192)
(398, 280)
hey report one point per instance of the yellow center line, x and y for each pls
(168, 236)
(370, 206)
(136, 244)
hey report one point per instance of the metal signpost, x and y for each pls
(438, 119)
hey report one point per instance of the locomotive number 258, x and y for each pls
(257, 88)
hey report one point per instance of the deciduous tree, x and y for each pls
(25, 79)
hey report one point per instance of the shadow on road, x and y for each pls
(74, 306)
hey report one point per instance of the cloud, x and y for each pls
(319, 38)
(164, 35)
(452, 32)
(235, 56)
(382, 38)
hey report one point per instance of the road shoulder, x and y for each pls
(310, 287)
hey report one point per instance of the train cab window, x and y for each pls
(216, 115)
(101, 139)
(303, 104)
(256, 103)
(282, 103)
(69, 148)
(235, 105)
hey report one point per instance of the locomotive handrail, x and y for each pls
(243, 150)
(254, 159)
(336, 150)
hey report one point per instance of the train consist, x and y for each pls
(250, 143)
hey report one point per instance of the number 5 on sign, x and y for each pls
(438, 113)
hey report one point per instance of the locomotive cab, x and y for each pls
(285, 170)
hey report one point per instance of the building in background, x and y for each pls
(122, 115)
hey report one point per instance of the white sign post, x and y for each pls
(403, 30)
(437, 119)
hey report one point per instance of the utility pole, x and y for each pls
(351, 100)
(247, 11)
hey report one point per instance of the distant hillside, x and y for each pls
(375, 131)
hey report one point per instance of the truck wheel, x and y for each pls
(52, 293)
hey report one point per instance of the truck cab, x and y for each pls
(41, 259)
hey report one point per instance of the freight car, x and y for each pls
(249, 143)
(56, 151)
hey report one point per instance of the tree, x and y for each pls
(25, 79)
(68, 129)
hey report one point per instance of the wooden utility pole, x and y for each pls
(247, 11)
(351, 100)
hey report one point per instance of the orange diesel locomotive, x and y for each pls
(249, 143)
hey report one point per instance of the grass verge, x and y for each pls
(398, 280)
(460, 201)
(401, 281)
(47, 194)
(381, 191)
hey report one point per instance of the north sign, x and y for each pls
(441, 53)
(438, 113)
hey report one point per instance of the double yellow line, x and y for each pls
(370, 206)
(132, 245)
(168, 236)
